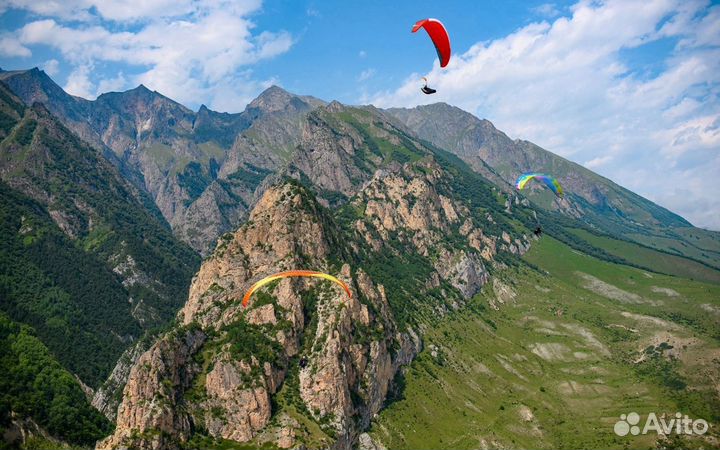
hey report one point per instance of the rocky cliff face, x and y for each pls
(107, 398)
(304, 364)
(414, 208)
(319, 355)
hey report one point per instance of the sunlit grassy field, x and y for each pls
(552, 359)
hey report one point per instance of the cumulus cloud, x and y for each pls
(51, 66)
(190, 50)
(79, 84)
(68, 9)
(571, 86)
(549, 10)
(11, 46)
(115, 84)
(598, 162)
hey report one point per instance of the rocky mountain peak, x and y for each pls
(227, 365)
(138, 99)
(272, 99)
(34, 85)
(335, 107)
(286, 229)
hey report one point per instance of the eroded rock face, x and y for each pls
(303, 344)
(148, 417)
(407, 203)
(220, 369)
(106, 398)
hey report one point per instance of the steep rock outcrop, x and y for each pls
(148, 414)
(107, 398)
(326, 356)
(412, 204)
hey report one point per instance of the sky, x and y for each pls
(629, 89)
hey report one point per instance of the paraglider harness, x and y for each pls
(426, 89)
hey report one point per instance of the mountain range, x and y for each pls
(109, 206)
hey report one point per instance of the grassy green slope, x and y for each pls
(696, 243)
(554, 367)
(655, 260)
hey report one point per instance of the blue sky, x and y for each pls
(333, 43)
(627, 88)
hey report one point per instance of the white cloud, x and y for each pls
(362, 53)
(67, 9)
(115, 84)
(79, 84)
(126, 10)
(569, 86)
(51, 66)
(131, 10)
(10, 46)
(366, 74)
(598, 162)
(273, 44)
(189, 50)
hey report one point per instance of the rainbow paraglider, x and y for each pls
(293, 273)
(549, 181)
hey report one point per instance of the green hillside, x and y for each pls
(554, 365)
(33, 384)
(696, 243)
(87, 262)
(655, 260)
(76, 304)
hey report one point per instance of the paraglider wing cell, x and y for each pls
(293, 273)
(439, 36)
(549, 181)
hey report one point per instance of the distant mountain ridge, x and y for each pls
(599, 203)
(201, 169)
(204, 169)
(478, 141)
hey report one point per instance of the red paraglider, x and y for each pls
(439, 35)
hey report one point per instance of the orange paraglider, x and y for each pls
(293, 273)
